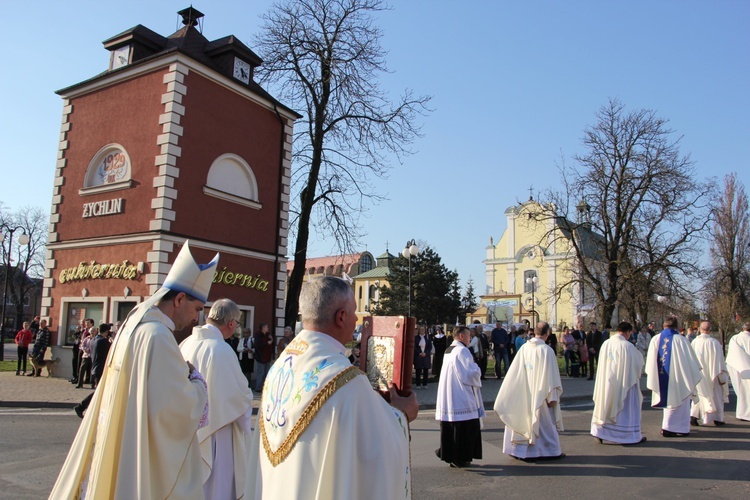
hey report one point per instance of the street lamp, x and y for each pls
(411, 249)
(533, 281)
(661, 299)
(23, 240)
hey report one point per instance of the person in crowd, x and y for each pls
(34, 325)
(644, 339)
(570, 348)
(24, 337)
(513, 334)
(738, 365)
(224, 442)
(617, 391)
(485, 342)
(422, 359)
(552, 341)
(439, 345)
(76, 352)
(284, 341)
(245, 351)
(263, 342)
(332, 436)
(84, 371)
(500, 340)
(691, 334)
(99, 350)
(520, 338)
(594, 339)
(651, 329)
(672, 372)
(140, 438)
(528, 401)
(475, 347)
(40, 346)
(355, 354)
(459, 405)
(713, 389)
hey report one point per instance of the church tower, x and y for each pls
(174, 141)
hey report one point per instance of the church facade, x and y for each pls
(530, 274)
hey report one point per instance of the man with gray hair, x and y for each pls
(713, 389)
(322, 431)
(738, 364)
(225, 440)
(529, 401)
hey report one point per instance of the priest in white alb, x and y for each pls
(323, 432)
(713, 389)
(224, 442)
(529, 401)
(738, 364)
(672, 372)
(459, 406)
(138, 438)
(617, 390)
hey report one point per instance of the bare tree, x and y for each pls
(27, 261)
(642, 213)
(324, 58)
(730, 238)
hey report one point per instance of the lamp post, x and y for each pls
(411, 249)
(533, 281)
(23, 240)
(661, 299)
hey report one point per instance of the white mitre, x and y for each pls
(189, 277)
(185, 276)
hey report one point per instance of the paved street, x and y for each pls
(38, 425)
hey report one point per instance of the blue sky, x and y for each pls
(514, 84)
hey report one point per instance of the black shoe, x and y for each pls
(590, 378)
(717, 423)
(17, 373)
(78, 410)
(694, 421)
(31, 374)
(670, 434)
(643, 440)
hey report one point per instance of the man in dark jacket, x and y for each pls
(99, 350)
(500, 340)
(594, 341)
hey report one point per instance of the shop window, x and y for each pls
(78, 311)
(231, 178)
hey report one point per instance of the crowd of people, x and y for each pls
(174, 421)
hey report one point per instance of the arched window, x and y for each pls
(109, 169)
(373, 291)
(231, 178)
(365, 263)
(360, 292)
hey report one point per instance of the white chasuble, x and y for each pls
(138, 437)
(323, 432)
(230, 406)
(738, 364)
(532, 381)
(619, 369)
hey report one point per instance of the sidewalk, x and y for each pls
(43, 392)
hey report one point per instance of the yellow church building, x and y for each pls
(530, 273)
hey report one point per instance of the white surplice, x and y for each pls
(138, 437)
(459, 394)
(323, 432)
(738, 365)
(225, 440)
(617, 392)
(532, 381)
(684, 375)
(713, 389)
